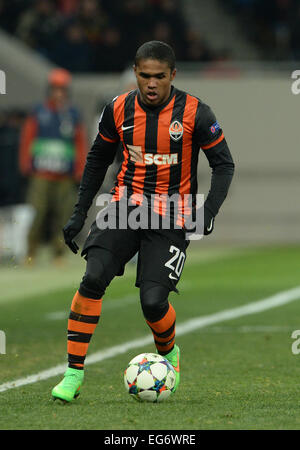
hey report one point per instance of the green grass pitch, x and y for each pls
(235, 374)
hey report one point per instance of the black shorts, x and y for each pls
(161, 252)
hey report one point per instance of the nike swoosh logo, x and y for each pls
(127, 128)
(172, 278)
(211, 225)
(69, 335)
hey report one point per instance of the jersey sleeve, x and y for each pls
(209, 135)
(107, 127)
(208, 131)
(100, 156)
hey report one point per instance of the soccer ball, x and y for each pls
(149, 377)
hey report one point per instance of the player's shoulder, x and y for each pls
(117, 105)
(119, 100)
(192, 100)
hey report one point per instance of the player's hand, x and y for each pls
(72, 228)
(209, 222)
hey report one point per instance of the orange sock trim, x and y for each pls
(86, 306)
(81, 327)
(84, 316)
(77, 348)
(163, 338)
(162, 325)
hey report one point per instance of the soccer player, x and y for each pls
(161, 129)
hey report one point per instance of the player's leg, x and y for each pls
(106, 252)
(86, 305)
(161, 317)
(159, 314)
(83, 318)
(161, 260)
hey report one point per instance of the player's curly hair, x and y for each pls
(156, 50)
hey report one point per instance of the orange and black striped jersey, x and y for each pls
(160, 145)
(160, 149)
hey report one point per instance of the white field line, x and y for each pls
(249, 329)
(186, 327)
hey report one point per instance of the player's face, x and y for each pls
(154, 80)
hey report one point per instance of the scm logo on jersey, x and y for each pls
(176, 130)
(159, 159)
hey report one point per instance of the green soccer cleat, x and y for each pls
(173, 357)
(69, 387)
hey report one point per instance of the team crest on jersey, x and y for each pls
(176, 130)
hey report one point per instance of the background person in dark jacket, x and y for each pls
(53, 149)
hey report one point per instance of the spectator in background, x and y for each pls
(83, 35)
(39, 27)
(92, 19)
(163, 32)
(73, 51)
(102, 35)
(196, 48)
(134, 22)
(166, 12)
(68, 7)
(269, 24)
(111, 54)
(295, 35)
(11, 11)
(53, 149)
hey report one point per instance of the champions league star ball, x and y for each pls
(149, 377)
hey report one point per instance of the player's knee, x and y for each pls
(101, 269)
(92, 286)
(154, 300)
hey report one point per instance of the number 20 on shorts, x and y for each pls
(176, 262)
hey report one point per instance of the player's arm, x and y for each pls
(100, 156)
(80, 150)
(214, 146)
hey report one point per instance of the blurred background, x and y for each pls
(236, 55)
